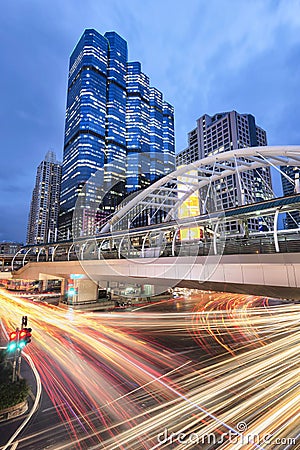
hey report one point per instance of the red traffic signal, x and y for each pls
(18, 339)
(13, 341)
(22, 334)
(13, 336)
(24, 337)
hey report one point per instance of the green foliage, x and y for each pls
(10, 393)
(13, 393)
(2, 357)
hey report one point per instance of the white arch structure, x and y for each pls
(168, 194)
(163, 194)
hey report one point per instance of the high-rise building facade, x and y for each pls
(220, 133)
(43, 215)
(150, 131)
(291, 185)
(115, 123)
(137, 128)
(115, 119)
(223, 132)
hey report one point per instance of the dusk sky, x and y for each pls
(205, 57)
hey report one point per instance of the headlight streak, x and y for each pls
(102, 370)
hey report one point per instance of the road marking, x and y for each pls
(52, 407)
(15, 445)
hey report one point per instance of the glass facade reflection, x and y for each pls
(115, 123)
(115, 166)
(150, 131)
(137, 128)
(84, 146)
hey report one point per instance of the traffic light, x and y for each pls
(28, 335)
(71, 291)
(13, 341)
(24, 337)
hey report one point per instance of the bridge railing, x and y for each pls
(98, 249)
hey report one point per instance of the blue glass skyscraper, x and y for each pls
(85, 129)
(168, 138)
(137, 128)
(150, 131)
(115, 161)
(115, 124)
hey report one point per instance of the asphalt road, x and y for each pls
(119, 380)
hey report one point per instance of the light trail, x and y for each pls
(33, 409)
(114, 384)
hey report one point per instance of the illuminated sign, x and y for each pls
(76, 276)
(190, 207)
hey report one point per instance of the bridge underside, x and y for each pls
(272, 275)
(248, 289)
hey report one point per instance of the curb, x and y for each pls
(13, 411)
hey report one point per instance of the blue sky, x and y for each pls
(204, 56)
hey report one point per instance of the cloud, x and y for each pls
(204, 56)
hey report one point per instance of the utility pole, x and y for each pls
(22, 335)
(24, 322)
(15, 356)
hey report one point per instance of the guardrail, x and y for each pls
(289, 243)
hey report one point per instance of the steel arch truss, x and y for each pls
(161, 202)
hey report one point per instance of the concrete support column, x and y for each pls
(63, 287)
(87, 291)
(44, 285)
(277, 249)
(79, 291)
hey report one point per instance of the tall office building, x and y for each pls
(223, 132)
(115, 119)
(291, 185)
(137, 128)
(220, 133)
(150, 131)
(43, 215)
(116, 124)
